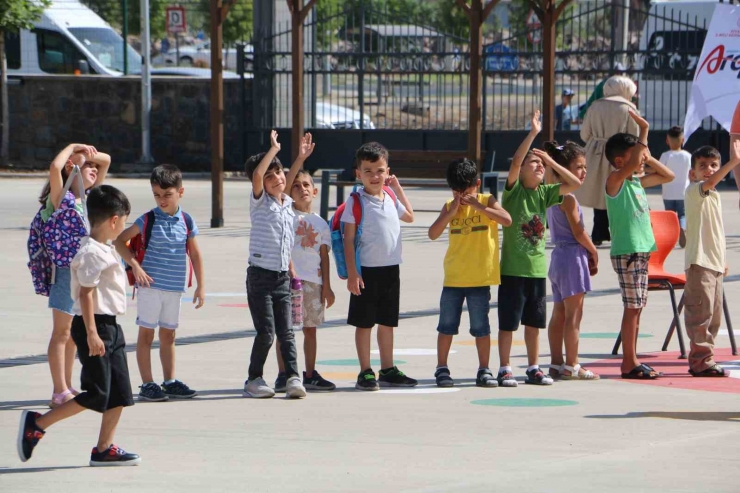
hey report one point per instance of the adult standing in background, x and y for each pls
(606, 117)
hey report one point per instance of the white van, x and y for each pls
(69, 38)
(671, 42)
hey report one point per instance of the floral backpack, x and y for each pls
(54, 243)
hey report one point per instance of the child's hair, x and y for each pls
(372, 152)
(254, 161)
(705, 152)
(303, 172)
(166, 176)
(617, 145)
(462, 174)
(675, 132)
(104, 202)
(564, 154)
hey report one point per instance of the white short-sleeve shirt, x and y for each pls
(680, 163)
(98, 266)
(311, 232)
(380, 243)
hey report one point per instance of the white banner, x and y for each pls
(716, 88)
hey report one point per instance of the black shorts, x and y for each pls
(378, 303)
(105, 379)
(522, 301)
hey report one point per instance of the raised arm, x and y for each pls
(306, 149)
(392, 182)
(56, 182)
(568, 181)
(102, 160)
(663, 173)
(259, 172)
(720, 175)
(616, 178)
(444, 218)
(521, 152)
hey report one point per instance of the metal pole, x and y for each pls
(474, 109)
(548, 85)
(297, 73)
(146, 85)
(124, 11)
(217, 120)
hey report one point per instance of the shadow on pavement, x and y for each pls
(689, 416)
(23, 405)
(28, 470)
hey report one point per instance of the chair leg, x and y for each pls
(730, 332)
(669, 335)
(677, 319)
(617, 343)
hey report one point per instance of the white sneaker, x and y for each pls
(258, 389)
(295, 389)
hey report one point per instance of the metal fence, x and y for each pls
(367, 67)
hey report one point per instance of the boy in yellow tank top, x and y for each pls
(471, 267)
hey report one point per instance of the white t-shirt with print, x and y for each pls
(311, 231)
(380, 243)
(680, 163)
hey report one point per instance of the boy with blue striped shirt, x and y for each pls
(161, 279)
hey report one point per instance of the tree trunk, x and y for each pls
(4, 101)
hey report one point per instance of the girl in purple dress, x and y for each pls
(573, 262)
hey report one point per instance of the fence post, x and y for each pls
(361, 67)
(124, 29)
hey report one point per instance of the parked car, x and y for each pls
(339, 117)
(202, 73)
(198, 54)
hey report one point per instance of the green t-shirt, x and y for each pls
(49, 209)
(523, 253)
(629, 220)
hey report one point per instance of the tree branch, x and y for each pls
(488, 9)
(225, 9)
(291, 5)
(463, 5)
(561, 8)
(538, 9)
(307, 9)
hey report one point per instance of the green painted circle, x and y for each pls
(353, 362)
(608, 335)
(524, 402)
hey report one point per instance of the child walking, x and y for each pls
(98, 287)
(162, 278)
(310, 257)
(522, 294)
(471, 267)
(61, 353)
(570, 272)
(268, 281)
(632, 233)
(706, 261)
(375, 284)
(678, 161)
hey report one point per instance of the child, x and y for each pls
(310, 259)
(569, 267)
(268, 280)
(375, 284)
(523, 262)
(705, 258)
(99, 292)
(632, 233)
(678, 161)
(161, 280)
(471, 267)
(61, 354)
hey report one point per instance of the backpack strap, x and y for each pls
(356, 208)
(391, 194)
(148, 226)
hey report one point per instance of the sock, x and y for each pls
(443, 367)
(482, 368)
(505, 369)
(533, 367)
(168, 382)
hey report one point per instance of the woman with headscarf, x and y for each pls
(605, 117)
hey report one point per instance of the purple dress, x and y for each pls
(569, 272)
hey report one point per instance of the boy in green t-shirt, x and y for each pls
(523, 262)
(632, 233)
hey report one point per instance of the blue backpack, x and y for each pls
(336, 227)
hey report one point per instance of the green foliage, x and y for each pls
(238, 24)
(112, 12)
(20, 14)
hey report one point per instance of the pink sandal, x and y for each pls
(59, 399)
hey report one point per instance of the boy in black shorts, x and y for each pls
(99, 293)
(375, 283)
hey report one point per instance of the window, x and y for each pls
(57, 55)
(13, 49)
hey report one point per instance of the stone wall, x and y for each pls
(48, 112)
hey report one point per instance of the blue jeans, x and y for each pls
(451, 305)
(678, 207)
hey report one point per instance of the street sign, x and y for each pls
(534, 28)
(176, 20)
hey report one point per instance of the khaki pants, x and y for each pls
(703, 314)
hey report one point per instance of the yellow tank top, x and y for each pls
(472, 258)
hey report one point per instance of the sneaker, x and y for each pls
(113, 456)
(506, 379)
(178, 390)
(281, 382)
(258, 389)
(442, 375)
(28, 434)
(393, 377)
(317, 382)
(294, 389)
(486, 379)
(536, 377)
(366, 381)
(151, 392)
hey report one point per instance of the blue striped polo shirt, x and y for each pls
(165, 260)
(271, 237)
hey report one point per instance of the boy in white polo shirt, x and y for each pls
(678, 161)
(375, 284)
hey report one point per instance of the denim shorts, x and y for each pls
(451, 305)
(60, 296)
